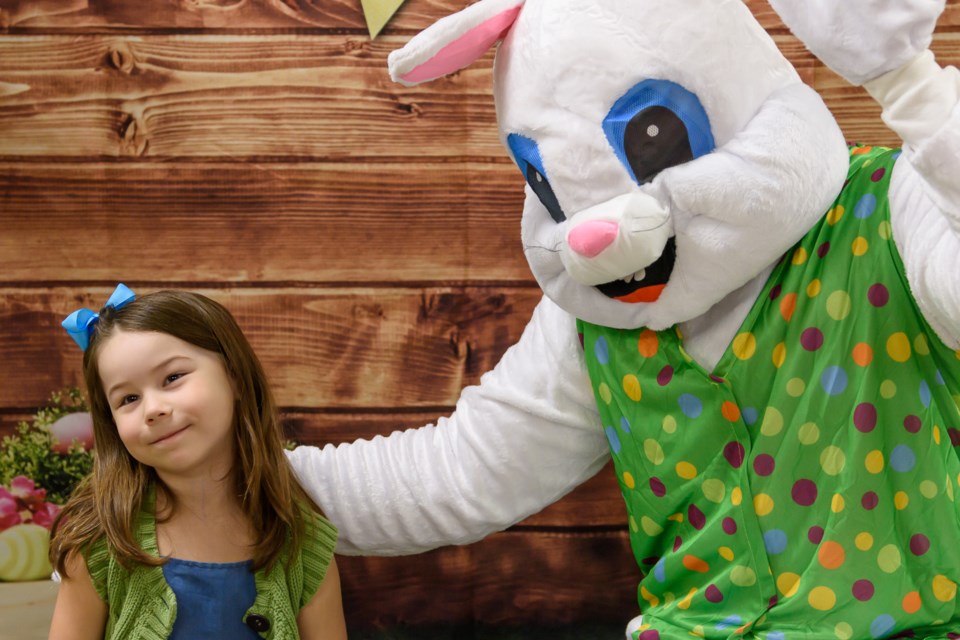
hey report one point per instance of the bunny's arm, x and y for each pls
(521, 439)
(921, 103)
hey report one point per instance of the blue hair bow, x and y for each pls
(81, 323)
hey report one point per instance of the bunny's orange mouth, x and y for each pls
(648, 288)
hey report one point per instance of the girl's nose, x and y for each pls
(155, 408)
(590, 238)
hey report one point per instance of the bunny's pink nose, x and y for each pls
(590, 238)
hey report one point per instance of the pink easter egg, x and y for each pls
(73, 426)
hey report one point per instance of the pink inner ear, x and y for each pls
(464, 49)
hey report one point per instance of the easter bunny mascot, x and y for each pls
(759, 324)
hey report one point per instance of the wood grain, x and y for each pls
(280, 97)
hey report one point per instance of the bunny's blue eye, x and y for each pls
(527, 156)
(656, 125)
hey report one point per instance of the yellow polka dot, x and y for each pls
(874, 461)
(788, 583)
(936, 433)
(949, 486)
(822, 598)
(631, 386)
(814, 288)
(928, 489)
(744, 346)
(835, 214)
(889, 558)
(839, 305)
(843, 631)
(762, 504)
(799, 256)
(859, 246)
(885, 230)
(650, 527)
(605, 394)
(685, 602)
(653, 451)
(714, 490)
(808, 433)
(736, 496)
(633, 525)
(686, 470)
(832, 460)
(669, 424)
(628, 480)
(898, 347)
(901, 500)
(648, 343)
(743, 576)
(888, 389)
(772, 422)
(726, 553)
(698, 632)
(944, 589)
(864, 541)
(796, 387)
(921, 346)
(649, 597)
(837, 503)
(779, 355)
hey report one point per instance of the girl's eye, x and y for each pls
(125, 400)
(173, 377)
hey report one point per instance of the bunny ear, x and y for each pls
(453, 42)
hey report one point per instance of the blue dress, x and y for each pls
(212, 598)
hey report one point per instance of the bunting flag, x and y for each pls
(378, 12)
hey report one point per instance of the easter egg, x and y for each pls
(73, 426)
(23, 553)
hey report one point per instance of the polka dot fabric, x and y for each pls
(805, 488)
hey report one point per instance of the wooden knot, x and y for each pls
(121, 57)
(356, 46)
(133, 138)
(411, 109)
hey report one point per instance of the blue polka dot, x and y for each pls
(775, 540)
(834, 380)
(775, 635)
(690, 405)
(925, 393)
(624, 425)
(939, 377)
(865, 206)
(659, 573)
(730, 621)
(601, 350)
(882, 626)
(895, 155)
(902, 458)
(750, 415)
(613, 438)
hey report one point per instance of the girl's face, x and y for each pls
(172, 402)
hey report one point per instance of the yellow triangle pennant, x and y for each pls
(378, 12)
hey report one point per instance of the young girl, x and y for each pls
(192, 524)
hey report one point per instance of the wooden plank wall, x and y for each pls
(365, 235)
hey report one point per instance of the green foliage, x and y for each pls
(29, 451)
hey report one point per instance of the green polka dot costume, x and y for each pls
(806, 487)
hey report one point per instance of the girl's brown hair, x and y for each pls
(107, 502)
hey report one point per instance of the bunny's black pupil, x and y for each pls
(544, 191)
(655, 139)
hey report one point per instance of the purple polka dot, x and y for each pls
(815, 534)
(696, 517)
(919, 544)
(677, 542)
(773, 601)
(865, 417)
(870, 500)
(650, 560)
(649, 634)
(657, 486)
(729, 526)
(823, 249)
(763, 464)
(717, 379)
(775, 292)
(665, 376)
(713, 594)
(953, 636)
(862, 590)
(912, 423)
(734, 453)
(804, 492)
(811, 339)
(878, 174)
(878, 295)
(954, 436)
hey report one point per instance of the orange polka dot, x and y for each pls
(648, 343)
(863, 354)
(858, 150)
(730, 411)
(911, 602)
(831, 555)
(694, 563)
(788, 305)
